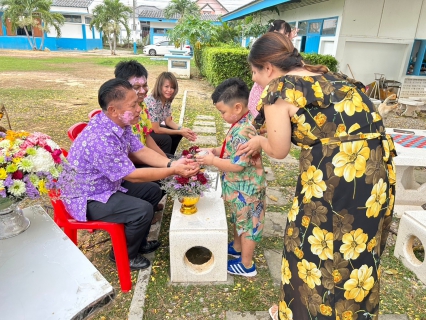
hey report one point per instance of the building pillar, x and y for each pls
(83, 28)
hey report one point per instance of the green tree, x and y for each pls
(32, 14)
(183, 8)
(196, 31)
(108, 17)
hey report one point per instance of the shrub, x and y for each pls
(227, 61)
(325, 59)
(221, 63)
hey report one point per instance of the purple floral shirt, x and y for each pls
(255, 93)
(156, 111)
(98, 162)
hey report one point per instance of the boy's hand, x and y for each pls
(205, 159)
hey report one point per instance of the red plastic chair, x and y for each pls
(76, 129)
(116, 231)
(94, 113)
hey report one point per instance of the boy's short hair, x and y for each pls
(130, 68)
(230, 91)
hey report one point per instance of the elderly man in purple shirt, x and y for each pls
(101, 181)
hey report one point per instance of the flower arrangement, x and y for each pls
(30, 164)
(179, 187)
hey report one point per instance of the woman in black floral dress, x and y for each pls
(337, 226)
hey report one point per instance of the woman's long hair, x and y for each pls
(278, 49)
(157, 90)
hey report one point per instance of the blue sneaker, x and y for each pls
(236, 267)
(232, 251)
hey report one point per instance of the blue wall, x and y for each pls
(54, 44)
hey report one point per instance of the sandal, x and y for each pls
(273, 312)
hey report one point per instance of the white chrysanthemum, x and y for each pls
(17, 188)
(1, 159)
(5, 144)
(34, 179)
(18, 142)
(42, 160)
(1, 185)
(52, 144)
(26, 165)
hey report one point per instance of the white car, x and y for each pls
(163, 47)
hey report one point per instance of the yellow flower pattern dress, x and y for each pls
(337, 225)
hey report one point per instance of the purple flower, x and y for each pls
(3, 193)
(2, 134)
(8, 181)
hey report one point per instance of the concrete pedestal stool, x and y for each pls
(411, 106)
(198, 242)
(412, 224)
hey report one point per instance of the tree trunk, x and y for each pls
(114, 42)
(29, 39)
(42, 40)
(110, 44)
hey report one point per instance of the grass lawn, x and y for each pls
(49, 92)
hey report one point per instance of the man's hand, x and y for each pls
(186, 170)
(183, 160)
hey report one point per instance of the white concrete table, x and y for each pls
(43, 275)
(409, 194)
(206, 229)
(411, 106)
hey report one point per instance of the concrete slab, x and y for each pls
(399, 209)
(275, 192)
(201, 117)
(269, 174)
(274, 259)
(227, 125)
(229, 281)
(205, 123)
(200, 129)
(206, 141)
(275, 223)
(247, 315)
(288, 159)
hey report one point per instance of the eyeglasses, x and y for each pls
(137, 88)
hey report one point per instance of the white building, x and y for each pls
(365, 36)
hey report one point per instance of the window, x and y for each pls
(164, 43)
(315, 27)
(87, 20)
(159, 31)
(303, 25)
(21, 31)
(72, 18)
(329, 27)
(292, 24)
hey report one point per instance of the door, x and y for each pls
(313, 35)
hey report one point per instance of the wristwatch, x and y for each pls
(169, 163)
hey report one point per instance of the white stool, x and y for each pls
(205, 232)
(411, 106)
(412, 224)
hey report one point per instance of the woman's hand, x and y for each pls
(189, 134)
(205, 159)
(183, 160)
(251, 147)
(293, 33)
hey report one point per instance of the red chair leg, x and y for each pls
(118, 240)
(72, 234)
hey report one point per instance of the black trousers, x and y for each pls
(167, 142)
(135, 209)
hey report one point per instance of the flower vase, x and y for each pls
(12, 219)
(189, 204)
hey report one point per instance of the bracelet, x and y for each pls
(179, 127)
(169, 164)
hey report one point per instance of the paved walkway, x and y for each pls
(205, 127)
